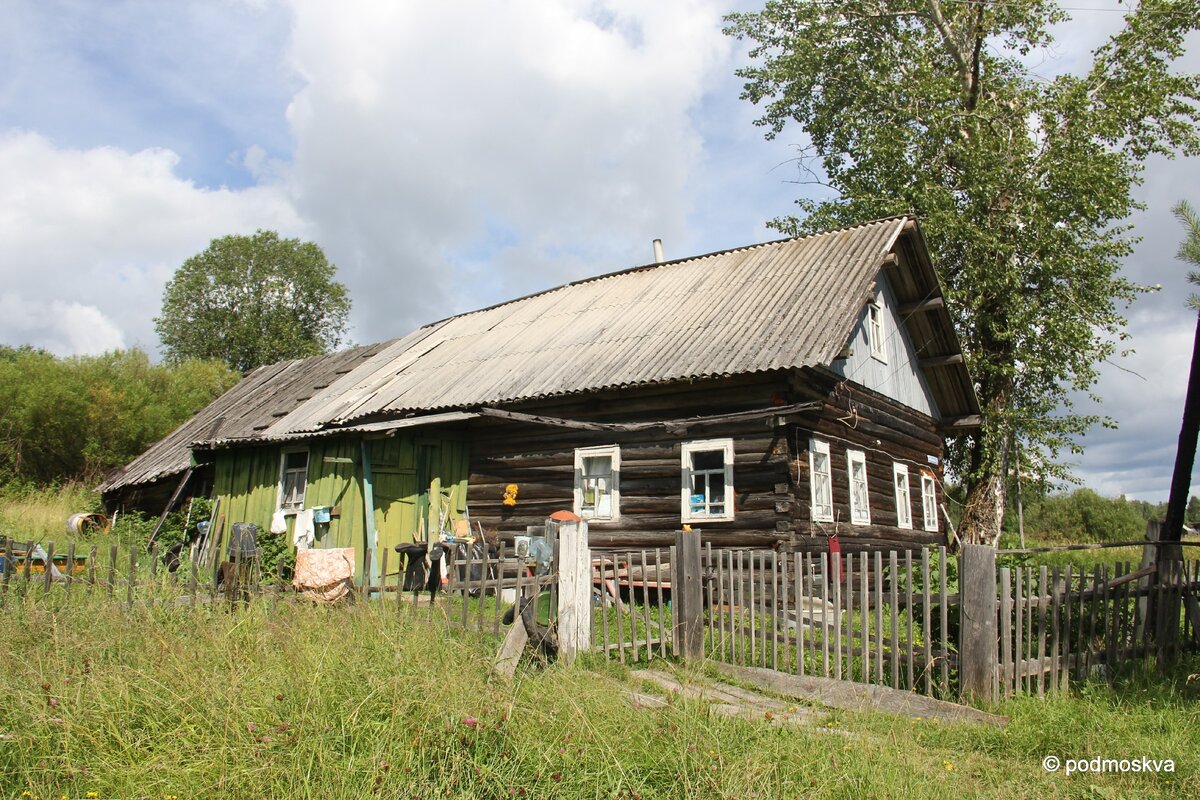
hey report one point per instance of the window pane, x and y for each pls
(297, 460)
(708, 459)
(597, 465)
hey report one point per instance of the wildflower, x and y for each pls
(92, 795)
(556, 776)
(53, 701)
(470, 722)
(250, 727)
(691, 748)
(949, 767)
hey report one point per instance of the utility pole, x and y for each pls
(1185, 453)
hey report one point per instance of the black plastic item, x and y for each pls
(414, 570)
(242, 541)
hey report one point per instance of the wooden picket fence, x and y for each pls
(878, 618)
(84, 571)
(882, 618)
(1058, 623)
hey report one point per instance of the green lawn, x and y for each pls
(291, 701)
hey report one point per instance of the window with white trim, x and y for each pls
(597, 490)
(293, 479)
(929, 501)
(820, 481)
(903, 496)
(860, 498)
(876, 335)
(707, 493)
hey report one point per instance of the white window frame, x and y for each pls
(685, 491)
(929, 502)
(860, 514)
(876, 331)
(904, 517)
(283, 473)
(818, 448)
(613, 452)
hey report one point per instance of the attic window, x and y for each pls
(707, 493)
(876, 335)
(293, 479)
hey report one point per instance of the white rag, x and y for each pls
(279, 522)
(303, 531)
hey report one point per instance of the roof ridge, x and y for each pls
(672, 262)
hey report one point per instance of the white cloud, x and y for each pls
(558, 136)
(88, 238)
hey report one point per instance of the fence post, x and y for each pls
(686, 584)
(574, 590)
(977, 647)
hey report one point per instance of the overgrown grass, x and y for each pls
(40, 514)
(288, 700)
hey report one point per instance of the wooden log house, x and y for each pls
(765, 395)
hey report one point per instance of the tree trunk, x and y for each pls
(983, 512)
(1185, 453)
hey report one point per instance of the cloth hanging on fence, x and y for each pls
(324, 576)
(304, 533)
(279, 522)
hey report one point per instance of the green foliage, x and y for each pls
(253, 300)
(1083, 516)
(1023, 182)
(1189, 249)
(75, 418)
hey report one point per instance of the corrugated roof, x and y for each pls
(779, 305)
(770, 306)
(262, 398)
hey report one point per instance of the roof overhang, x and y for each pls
(383, 426)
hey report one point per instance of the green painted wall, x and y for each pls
(408, 471)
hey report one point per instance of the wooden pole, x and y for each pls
(977, 647)
(1185, 452)
(686, 584)
(574, 590)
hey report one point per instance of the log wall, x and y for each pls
(770, 474)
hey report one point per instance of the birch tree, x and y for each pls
(1023, 181)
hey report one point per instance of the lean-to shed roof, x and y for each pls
(263, 397)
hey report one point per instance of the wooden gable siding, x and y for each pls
(541, 461)
(899, 377)
(887, 432)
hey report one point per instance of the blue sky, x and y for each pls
(446, 156)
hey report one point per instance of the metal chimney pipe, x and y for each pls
(658, 252)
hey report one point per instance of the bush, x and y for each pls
(76, 418)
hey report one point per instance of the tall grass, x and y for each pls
(285, 700)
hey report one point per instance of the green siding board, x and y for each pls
(247, 481)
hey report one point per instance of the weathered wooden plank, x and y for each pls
(1006, 632)
(978, 648)
(860, 697)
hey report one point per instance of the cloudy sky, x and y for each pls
(446, 156)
